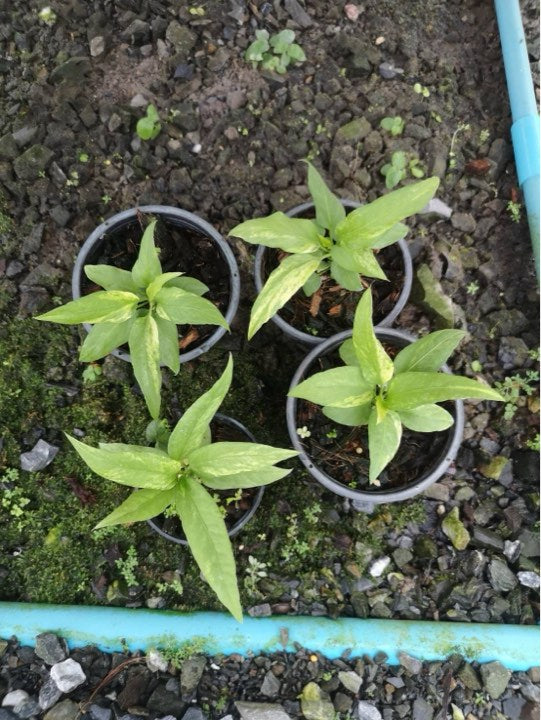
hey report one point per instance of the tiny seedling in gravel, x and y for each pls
(393, 125)
(335, 243)
(149, 127)
(397, 170)
(372, 389)
(514, 208)
(141, 308)
(178, 475)
(274, 52)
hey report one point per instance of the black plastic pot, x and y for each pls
(366, 500)
(306, 338)
(237, 527)
(173, 216)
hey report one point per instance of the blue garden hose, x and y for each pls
(115, 629)
(525, 128)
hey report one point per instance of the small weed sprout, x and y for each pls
(197, 10)
(47, 15)
(312, 512)
(91, 373)
(421, 90)
(12, 497)
(176, 655)
(303, 432)
(83, 157)
(514, 210)
(274, 52)
(149, 127)
(173, 586)
(397, 170)
(393, 125)
(514, 388)
(533, 443)
(127, 566)
(476, 366)
(535, 354)
(484, 136)
(254, 572)
(462, 127)
(106, 199)
(472, 288)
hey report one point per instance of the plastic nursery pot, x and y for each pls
(96, 244)
(157, 523)
(365, 500)
(261, 258)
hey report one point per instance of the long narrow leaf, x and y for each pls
(140, 505)
(412, 389)
(207, 537)
(340, 387)
(428, 353)
(252, 478)
(111, 278)
(103, 338)
(353, 416)
(383, 441)
(158, 282)
(230, 458)
(426, 418)
(188, 284)
(147, 266)
(329, 210)
(168, 339)
(102, 306)
(376, 366)
(293, 235)
(359, 261)
(131, 465)
(191, 430)
(145, 356)
(281, 285)
(185, 308)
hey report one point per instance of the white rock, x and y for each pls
(67, 675)
(529, 579)
(378, 566)
(14, 697)
(367, 711)
(156, 661)
(97, 46)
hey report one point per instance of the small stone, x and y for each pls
(529, 579)
(15, 697)
(181, 38)
(464, 222)
(97, 712)
(236, 99)
(342, 703)
(433, 298)
(194, 713)
(511, 550)
(261, 711)
(353, 131)
(500, 577)
(422, 710)
(350, 680)
(65, 710)
(402, 557)
(512, 707)
(315, 703)
(60, 215)
(73, 70)
(190, 675)
(50, 648)
(411, 664)
(455, 530)
(14, 268)
(183, 71)
(67, 675)
(137, 32)
(32, 162)
(27, 708)
(495, 678)
(388, 71)
(367, 711)
(513, 352)
(530, 691)
(25, 135)
(378, 567)
(297, 13)
(495, 467)
(97, 46)
(530, 543)
(155, 661)
(487, 538)
(8, 147)
(271, 685)
(352, 12)
(373, 143)
(138, 101)
(469, 677)
(41, 455)
(437, 492)
(263, 610)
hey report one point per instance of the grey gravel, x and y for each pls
(500, 576)
(261, 711)
(191, 672)
(49, 694)
(411, 664)
(367, 711)
(495, 678)
(50, 648)
(41, 455)
(529, 579)
(67, 675)
(271, 685)
(13, 698)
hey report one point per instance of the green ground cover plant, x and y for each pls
(335, 243)
(178, 473)
(149, 126)
(274, 52)
(141, 308)
(384, 394)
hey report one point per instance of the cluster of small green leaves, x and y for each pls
(372, 389)
(13, 499)
(397, 170)
(255, 571)
(141, 308)
(178, 654)
(128, 565)
(394, 125)
(274, 52)
(149, 126)
(177, 474)
(514, 208)
(335, 243)
(513, 388)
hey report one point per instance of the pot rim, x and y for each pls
(372, 497)
(244, 519)
(306, 338)
(181, 218)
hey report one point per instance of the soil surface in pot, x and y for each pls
(332, 308)
(233, 503)
(181, 249)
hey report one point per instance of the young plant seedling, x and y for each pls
(276, 52)
(393, 125)
(335, 243)
(149, 127)
(397, 170)
(372, 389)
(175, 475)
(141, 308)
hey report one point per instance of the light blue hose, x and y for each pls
(525, 128)
(114, 629)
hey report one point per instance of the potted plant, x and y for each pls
(178, 474)
(329, 252)
(377, 408)
(141, 307)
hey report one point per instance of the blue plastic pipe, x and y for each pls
(525, 128)
(115, 629)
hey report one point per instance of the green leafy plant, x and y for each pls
(533, 443)
(177, 476)
(514, 208)
(255, 571)
(335, 243)
(141, 308)
(149, 127)
(372, 389)
(397, 170)
(394, 125)
(421, 90)
(461, 128)
(128, 565)
(515, 387)
(274, 52)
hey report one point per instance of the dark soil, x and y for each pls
(229, 149)
(333, 309)
(181, 250)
